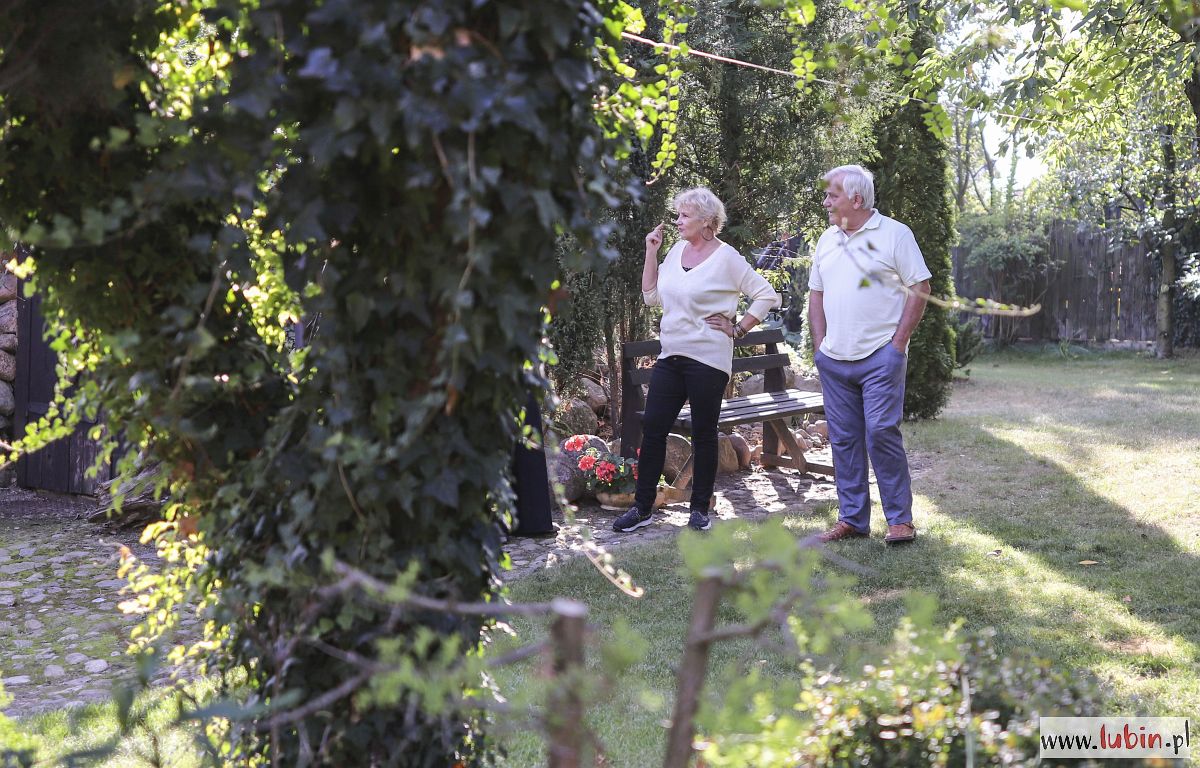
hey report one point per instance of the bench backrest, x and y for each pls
(771, 364)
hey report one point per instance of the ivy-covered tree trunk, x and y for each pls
(912, 186)
(405, 165)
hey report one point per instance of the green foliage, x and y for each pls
(17, 749)
(1012, 251)
(604, 307)
(911, 185)
(968, 341)
(608, 472)
(316, 165)
(933, 698)
(1013, 248)
(755, 138)
(1187, 299)
(1081, 66)
(576, 329)
(928, 698)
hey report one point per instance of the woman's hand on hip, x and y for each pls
(721, 323)
(654, 239)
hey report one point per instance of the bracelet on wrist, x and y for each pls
(739, 331)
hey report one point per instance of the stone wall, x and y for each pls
(8, 348)
(8, 361)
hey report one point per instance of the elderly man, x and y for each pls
(867, 292)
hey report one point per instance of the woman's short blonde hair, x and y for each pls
(703, 204)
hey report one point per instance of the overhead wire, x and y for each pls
(690, 51)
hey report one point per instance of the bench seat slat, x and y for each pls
(746, 418)
(765, 405)
(772, 411)
(780, 405)
(791, 398)
(751, 418)
(787, 395)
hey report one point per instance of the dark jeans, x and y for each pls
(677, 380)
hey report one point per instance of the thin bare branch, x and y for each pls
(331, 696)
(354, 578)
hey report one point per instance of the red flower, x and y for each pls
(608, 466)
(587, 462)
(575, 443)
(635, 471)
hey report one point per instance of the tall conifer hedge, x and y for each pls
(912, 186)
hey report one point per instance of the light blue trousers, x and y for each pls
(864, 405)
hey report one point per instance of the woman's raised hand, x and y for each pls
(654, 239)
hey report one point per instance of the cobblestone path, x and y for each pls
(62, 636)
(752, 495)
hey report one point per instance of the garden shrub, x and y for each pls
(912, 186)
(968, 341)
(910, 708)
(576, 327)
(926, 699)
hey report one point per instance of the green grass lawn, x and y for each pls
(154, 737)
(1038, 464)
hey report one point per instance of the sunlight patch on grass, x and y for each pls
(156, 739)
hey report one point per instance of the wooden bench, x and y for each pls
(774, 407)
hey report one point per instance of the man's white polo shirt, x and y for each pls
(860, 276)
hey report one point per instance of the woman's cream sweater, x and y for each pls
(712, 287)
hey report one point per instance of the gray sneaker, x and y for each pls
(632, 520)
(699, 521)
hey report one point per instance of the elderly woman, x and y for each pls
(698, 286)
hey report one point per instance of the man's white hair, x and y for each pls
(704, 204)
(855, 180)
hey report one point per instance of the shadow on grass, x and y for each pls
(1014, 541)
(1022, 481)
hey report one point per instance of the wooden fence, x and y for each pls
(1095, 293)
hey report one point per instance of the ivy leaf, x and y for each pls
(547, 209)
(319, 64)
(359, 308)
(307, 226)
(444, 488)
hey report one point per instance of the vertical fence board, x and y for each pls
(1099, 292)
(62, 465)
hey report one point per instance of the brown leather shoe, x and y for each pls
(842, 530)
(900, 534)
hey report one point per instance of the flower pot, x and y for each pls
(614, 502)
